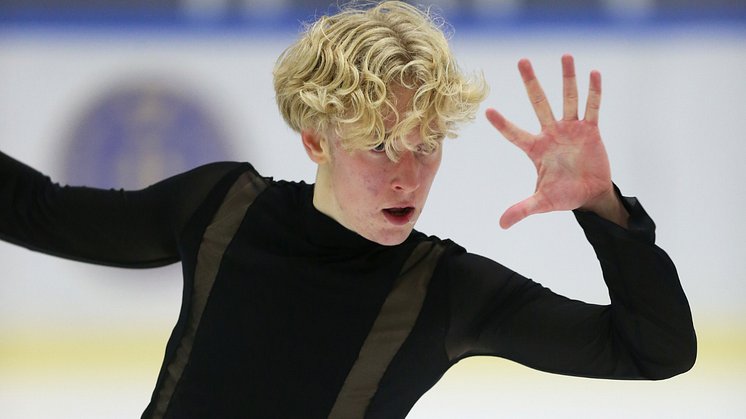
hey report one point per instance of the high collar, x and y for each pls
(325, 232)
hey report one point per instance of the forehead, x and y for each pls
(402, 97)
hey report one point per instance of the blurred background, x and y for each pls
(114, 93)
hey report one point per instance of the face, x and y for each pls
(368, 193)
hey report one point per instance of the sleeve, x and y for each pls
(136, 229)
(645, 333)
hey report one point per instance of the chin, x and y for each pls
(392, 238)
(390, 242)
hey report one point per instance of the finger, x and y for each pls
(594, 98)
(569, 89)
(535, 204)
(518, 212)
(536, 93)
(524, 140)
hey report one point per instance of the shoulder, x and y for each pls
(198, 193)
(219, 171)
(456, 260)
(470, 276)
(284, 196)
(458, 267)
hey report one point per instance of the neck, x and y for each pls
(323, 196)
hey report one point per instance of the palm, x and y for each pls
(570, 159)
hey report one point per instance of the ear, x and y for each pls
(316, 146)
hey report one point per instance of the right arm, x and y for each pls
(136, 229)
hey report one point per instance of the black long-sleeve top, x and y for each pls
(287, 314)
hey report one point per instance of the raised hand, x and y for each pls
(570, 158)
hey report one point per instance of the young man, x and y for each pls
(321, 301)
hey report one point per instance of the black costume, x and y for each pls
(287, 314)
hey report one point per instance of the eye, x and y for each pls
(425, 150)
(380, 148)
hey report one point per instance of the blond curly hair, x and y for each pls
(340, 75)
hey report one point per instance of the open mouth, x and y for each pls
(399, 215)
(399, 212)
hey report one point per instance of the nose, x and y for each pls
(406, 173)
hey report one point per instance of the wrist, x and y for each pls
(608, 205)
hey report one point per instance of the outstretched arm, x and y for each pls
(570, 158)
(109, 227)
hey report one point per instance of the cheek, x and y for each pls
(366, 177)
(431, 171)
(373, 184)
(357, 182)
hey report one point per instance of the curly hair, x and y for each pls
(341, 72)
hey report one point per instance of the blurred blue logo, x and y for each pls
(140, 134)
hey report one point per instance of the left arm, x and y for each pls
(645, 333)
(647, 330)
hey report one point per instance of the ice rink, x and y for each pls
(80, 341)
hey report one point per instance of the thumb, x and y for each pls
(520, 211)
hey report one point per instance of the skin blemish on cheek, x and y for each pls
(371, 184)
